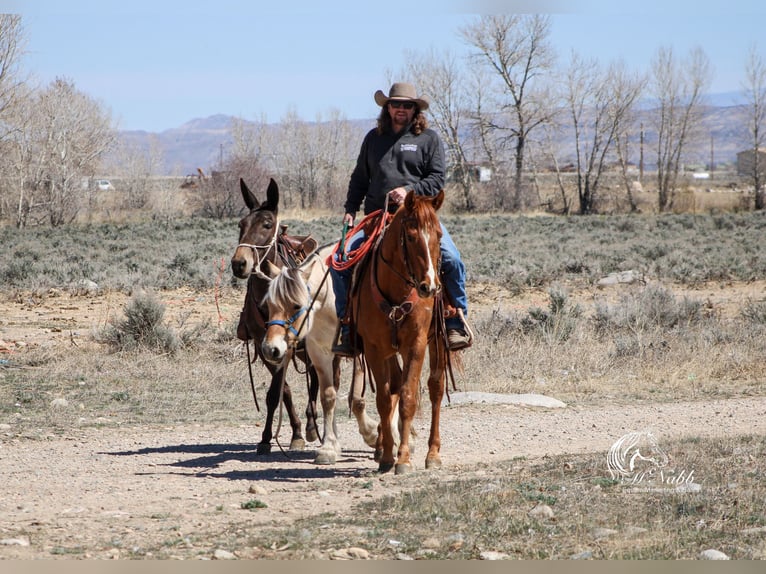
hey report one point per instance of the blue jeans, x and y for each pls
(452, 276)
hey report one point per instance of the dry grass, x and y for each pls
(491, 509)
(601, 353)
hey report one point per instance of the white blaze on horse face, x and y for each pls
(274, 345)
(431, 274)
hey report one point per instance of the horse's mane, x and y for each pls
(287, 289)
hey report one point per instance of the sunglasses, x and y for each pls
(405, 105)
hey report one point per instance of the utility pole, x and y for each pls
(641, 156)
(712, 164)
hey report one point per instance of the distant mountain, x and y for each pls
(202, 142)
(197, 143)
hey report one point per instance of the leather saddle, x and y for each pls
(295, 248)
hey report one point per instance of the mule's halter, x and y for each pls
(256, 270)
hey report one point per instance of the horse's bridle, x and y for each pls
(412, 280)
(288, 324)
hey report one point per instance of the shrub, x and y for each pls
(653, 307)
(556, 324)
(754, 312)
(142, 328)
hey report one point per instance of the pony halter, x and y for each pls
(288, 324)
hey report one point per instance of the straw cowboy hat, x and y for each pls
(401, 91)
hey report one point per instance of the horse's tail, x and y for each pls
(455, 362)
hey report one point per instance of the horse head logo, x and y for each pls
(635, 455)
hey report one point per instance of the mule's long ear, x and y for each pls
(272, 196)
(250, 201)
(438, 200)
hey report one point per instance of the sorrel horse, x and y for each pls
(393, 310)
(259, 242)
(301, 306)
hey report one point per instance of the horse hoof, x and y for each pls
(433, 463)
(325, 458)
(385, 467)
(297, 444)
(263, 448)
(404, 468)
(311, 435)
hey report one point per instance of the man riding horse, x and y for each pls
(400, 155)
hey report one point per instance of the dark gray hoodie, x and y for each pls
(390, 160)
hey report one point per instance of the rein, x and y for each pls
(250, 369)
(411, 280)
(395, 313)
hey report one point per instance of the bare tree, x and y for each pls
(340, 144)
(517, 50)
(250, 154)
(247, 159)
(551, 146)
(71, 134)
(136, 166)
(315, 159)
(440, 76)
(598, 102)
(20, 163)
(623, 157)
(755, 91)
(13, 92)
(490, 147)
(679, 87)
(59, 138)
(11, 84)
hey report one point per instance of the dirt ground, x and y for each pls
(118, 492)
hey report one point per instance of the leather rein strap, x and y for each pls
(395, 313)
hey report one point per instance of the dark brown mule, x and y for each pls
(260, 241)
(393, 307)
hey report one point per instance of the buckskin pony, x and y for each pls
(262, 239)
(393, 306)
(301, 306)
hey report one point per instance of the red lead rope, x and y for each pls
(373, 224)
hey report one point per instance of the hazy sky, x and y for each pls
(158, 64)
